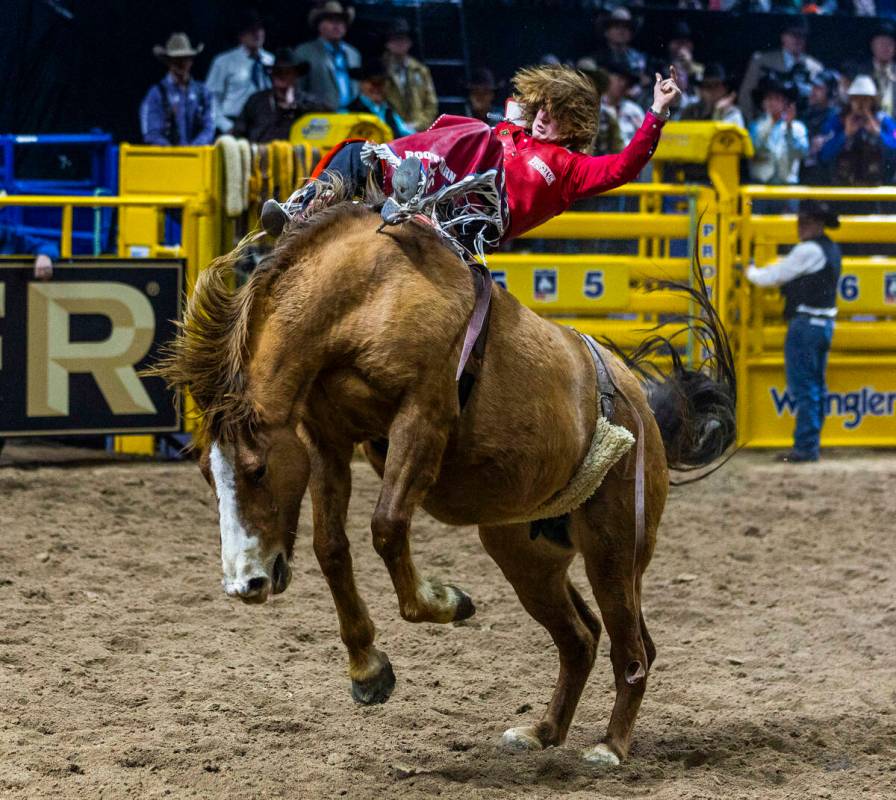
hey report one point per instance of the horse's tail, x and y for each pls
(694, 408)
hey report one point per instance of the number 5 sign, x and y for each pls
(594, 284)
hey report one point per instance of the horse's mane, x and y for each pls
(208, 354)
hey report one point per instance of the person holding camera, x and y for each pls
(860, 144)
(779, 138)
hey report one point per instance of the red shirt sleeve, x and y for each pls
(587, 176)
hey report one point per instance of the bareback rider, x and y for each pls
(540, 159)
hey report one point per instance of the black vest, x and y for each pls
(817, 289)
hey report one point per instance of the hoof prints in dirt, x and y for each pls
(124, 671)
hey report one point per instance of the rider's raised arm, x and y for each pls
(591, 175)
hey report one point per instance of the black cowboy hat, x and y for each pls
(249, 20)
(715, 72)
(884, 28)
(371, 69)
(827, 78)
(482, 78)
(681, 30)
(821, 211)
(773, 83)
(618, 66)
(797, 26)
(399, 28)
(284, 58)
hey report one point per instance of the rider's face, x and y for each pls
(545, 127)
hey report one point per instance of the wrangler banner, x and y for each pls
(72, 347)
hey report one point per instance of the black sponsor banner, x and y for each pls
(72, 347)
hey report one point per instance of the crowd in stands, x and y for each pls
(810, 122)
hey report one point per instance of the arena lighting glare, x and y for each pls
(59, 9)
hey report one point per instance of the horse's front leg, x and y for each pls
(330, 486)
(416, 445)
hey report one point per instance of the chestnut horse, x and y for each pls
(347, 335)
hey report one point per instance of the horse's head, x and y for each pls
(259, 477)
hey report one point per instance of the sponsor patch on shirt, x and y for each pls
(543, 169)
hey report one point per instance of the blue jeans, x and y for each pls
(805, 359)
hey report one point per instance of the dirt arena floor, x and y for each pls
(125, 672)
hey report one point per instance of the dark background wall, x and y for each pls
(92, 70)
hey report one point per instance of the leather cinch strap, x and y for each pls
(607, 389)
(473, 348)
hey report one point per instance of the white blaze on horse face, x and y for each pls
(241, 556)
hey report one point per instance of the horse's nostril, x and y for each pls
(256, 584)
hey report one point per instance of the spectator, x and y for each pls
(808, 277)
(882, 66)
(627, 113)
(818, 118)
(790, 62)
(372, 99)
(329, 57)
(409, 89)
(680, 52)
(177, 110)
(717, 100)
(608, 139)
(481, 93)
(860, 144)
(618, 31)
(236, 74)
(779, 138)
(14, 242)
(269, 115)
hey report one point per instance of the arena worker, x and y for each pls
(808, 277)
(540, 158)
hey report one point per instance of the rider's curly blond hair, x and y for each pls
(567, 95)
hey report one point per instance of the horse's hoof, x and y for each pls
(521, 739)
(377, 689)
(601, 756)
(464, 608)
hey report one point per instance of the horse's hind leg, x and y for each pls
(608, 548)
(416, 445)
(330, 486)
(538, 573)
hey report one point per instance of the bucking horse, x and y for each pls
(351, 334)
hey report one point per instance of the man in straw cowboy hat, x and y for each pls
(539, 162)
(808, 277)
(329, 57)
(177, 110)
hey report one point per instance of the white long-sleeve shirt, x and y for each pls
(233, 78)
(804, 259)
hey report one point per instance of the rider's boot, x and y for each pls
(408, 180)
(274, 215)
(408, 185)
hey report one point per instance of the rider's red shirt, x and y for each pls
(543, 179)
(540, 179)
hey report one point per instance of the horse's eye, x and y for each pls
(257, 474)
